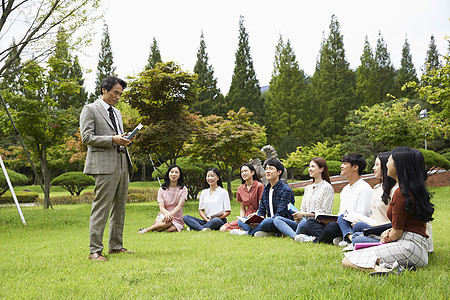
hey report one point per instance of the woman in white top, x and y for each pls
(379, 203)
(214, 206)
(318, 198)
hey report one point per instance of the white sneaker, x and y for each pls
(337, 240)
(264, 234)
(206, 229)
(343, 244)
(238, 232)
(304, 238)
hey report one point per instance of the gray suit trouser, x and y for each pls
(110, 197)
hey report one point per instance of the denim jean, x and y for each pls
(345, 226)
(359, 237)
(266, 225)
(199, 224)
(289, 227)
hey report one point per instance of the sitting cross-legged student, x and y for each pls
(318, 198)
(274, 201)
(355, 196)
(214, 206)
(405, 244)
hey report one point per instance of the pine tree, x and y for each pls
(365, 78)
(285, 107)
(76, 73)
(432, 60)
(244, 90)
(207, 101)
(406, 73)
(11, 77)
(384, 71)
(333, 87)
(64, 82)
(154, 56)
(105, 66)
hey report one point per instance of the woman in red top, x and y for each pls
(248, 193)
(405, 243)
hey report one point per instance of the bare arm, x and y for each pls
(391, 235)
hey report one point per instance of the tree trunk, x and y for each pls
(46, 176)
(143, 172)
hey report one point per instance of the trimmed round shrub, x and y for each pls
(74, 182)
(16, 179)
(446, 155)
(433, 159)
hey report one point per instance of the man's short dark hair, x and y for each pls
(275, 163)
(355, 159)
(109, 82)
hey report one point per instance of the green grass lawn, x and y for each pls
(47, 259)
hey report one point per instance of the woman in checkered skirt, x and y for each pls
(409, 210)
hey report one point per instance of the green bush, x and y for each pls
(433, 159)
(298, 192)
(22, 197)
(16, 179)
(74, 182)
(446, 155)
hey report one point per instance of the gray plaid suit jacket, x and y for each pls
(96, 132)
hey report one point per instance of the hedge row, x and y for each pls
(22, 197)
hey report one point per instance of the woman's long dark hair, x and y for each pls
(411, 173)
(180, 181)
(388, 182)
(252, 169)
(322, 163)
(215, 170)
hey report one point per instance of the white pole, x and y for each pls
(12, 191)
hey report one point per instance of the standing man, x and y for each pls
(108, 160)
(274, 201)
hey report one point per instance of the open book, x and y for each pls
(354, 217)
(326, 218)
(252, 219)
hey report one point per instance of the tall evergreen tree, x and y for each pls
(63, 81)
(285, 107)
(10, 79)
(105, 66)
(406, 73)
(154, 56)
(81, 96)
(208, 99)
(366, 86)
(334, 85)
(245, 90)
(432, 60)
(384, 71)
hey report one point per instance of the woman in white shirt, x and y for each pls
(379, 203)
(318, 198)
(214, 206)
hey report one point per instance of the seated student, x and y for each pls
(214, 206)
(248, 194)
(355, 196)
(171, 197)
(318, 198)
(405, 244)
(379, 203)
(274, 201)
